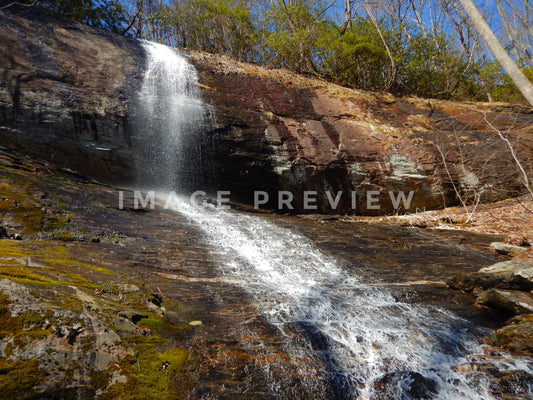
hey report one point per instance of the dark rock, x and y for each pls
(164, 366)
(73, 334)
(132, 316)
(59, 332)
(470, 283)
(3, 232)
(465, 283)
(156, 299)
(404, 385)
(512, 385)
(523, 277)
(517, 336)
(511, 300)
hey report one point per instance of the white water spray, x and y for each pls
(170, 116)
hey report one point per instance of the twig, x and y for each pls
(513, 153)
(523, 205)
(161, 293)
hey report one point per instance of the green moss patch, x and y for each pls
(56, 267)
(18, 378)
(152, 374)
(27, 325)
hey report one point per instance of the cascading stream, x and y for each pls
(366, 336)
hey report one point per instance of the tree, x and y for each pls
(216, 26)
(520, 80)
(107, 14)
(292, 29)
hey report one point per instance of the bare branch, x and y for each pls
(525, 178)
(19, 4)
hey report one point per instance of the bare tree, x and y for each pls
(518, 27)
(519, 79)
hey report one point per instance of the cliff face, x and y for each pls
(64, 93)
(67, 92)
(280, 130)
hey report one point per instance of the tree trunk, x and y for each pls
(519, 79)
(347, 16)
(139, 18)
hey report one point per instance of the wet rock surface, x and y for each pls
(517, 335)
(108, 297)
(65, 92)
(405, 385)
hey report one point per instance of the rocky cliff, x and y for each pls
(64, 93)
(68, 91)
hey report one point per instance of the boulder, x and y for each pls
(473, 283)
(507, 249)
(502, 270)
(464, 283)
(404, 385)
(515, 274)
(523, 277)
(511, 300)
(517, 336)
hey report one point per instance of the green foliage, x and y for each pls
(431, 67)
(292, 32)
(424, 66)
(500, 86)
(217, 26)
(356, 58)
(107, 14)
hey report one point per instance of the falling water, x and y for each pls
(366, 338)
(171, 114)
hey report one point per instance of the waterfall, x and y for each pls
(170, 117)
(361, 335)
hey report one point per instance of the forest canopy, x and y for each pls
(426, 48)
